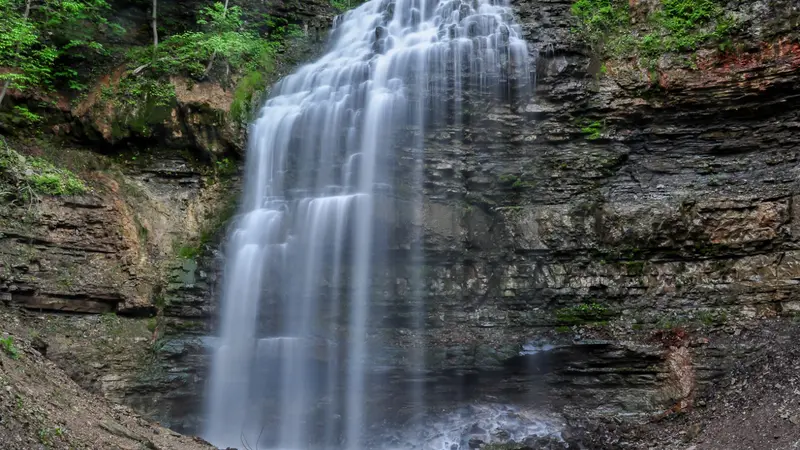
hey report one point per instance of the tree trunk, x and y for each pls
(214, 55)
(155, 28)
(8, 82)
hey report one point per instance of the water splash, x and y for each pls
(486, 423)
(311, 240)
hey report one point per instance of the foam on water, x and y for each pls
(489, 423)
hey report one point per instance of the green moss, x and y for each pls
(27, 177)
(672, 322)
(583, 314)
(593, 130)
(57, 183)
(634, 268)
(505, 446)
(139, 103)
(249, 85)
(217, 221)
(508, 179)
(712, 318)
(188, 252)
(514, 182)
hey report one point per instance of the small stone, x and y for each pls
(795, 419)
(694, 431)
(40, 345)
(475, 443)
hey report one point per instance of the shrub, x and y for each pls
(677, 26)
(8, 346)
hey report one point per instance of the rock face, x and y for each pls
(584, 269)
(131, 253)
(101, 251)
(679, 209)
(141, 246)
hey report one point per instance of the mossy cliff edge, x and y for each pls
(119, 170)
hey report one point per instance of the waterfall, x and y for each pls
(313, 250)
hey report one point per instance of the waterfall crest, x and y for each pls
(294, 367)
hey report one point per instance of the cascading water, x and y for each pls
(294, 365)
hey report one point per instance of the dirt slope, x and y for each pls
(42, 408)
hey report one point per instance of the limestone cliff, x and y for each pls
(114, 275)
(622, 200)
(609, 247)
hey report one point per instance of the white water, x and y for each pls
(297, 308)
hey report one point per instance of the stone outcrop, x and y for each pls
(676, 215)
(679, 210)
(103, 251)
(139, 250)
(43, 408)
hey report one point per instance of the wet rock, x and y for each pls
(475, 443)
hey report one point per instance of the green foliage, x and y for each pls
(601, 23)
(49, 180)
(223, 39)
(677, 26)
(226, 167)
(222, 36)
(46, 436)
(582, 314)
(133, 90)
(27, 177)
(44, 46)
(8, 346)
(152, 324)
(346, 5)
(25, 116)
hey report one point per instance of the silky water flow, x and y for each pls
(295, 364)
